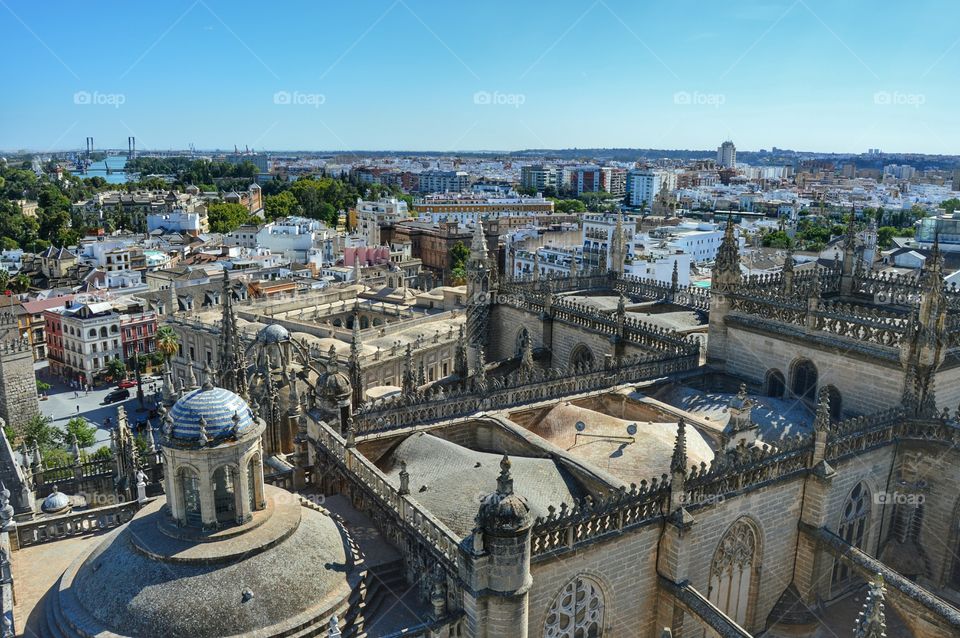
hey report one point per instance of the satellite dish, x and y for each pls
(632, 429)
(581, 426)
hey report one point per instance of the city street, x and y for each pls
(62, 401)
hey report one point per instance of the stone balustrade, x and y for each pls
(89, 521)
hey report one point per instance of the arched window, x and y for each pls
(522, 337)
(190, 493)
(364, 323)
(732, 572)
(581, 358)
(776, 385)
(853, 529)
(577, 611)
(93, 332)
(103, 331)
(804, 379)
(224, 494)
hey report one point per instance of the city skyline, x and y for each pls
(405, 75)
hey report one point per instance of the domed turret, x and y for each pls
(215, 413)
(503, 511)
(274, 333)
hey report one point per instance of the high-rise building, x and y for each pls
(443, 181)
(956, 180)
(643, 185)
(727, 155)
(613, 180)
(539, 177)
(585, 179)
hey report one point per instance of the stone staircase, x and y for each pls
(381, 588)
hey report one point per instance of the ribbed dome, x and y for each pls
(56, 503)
(503, 511)
(217, 407)
(274, 333)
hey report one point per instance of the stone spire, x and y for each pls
(356, 267)
(526, 359)
(536, 265)
(849, 254)
(822, 420)
(461, 365)
(232, 369)
(208, 383)
(480, 373)
(409, 378)
(678, 462)
(478, 243)
(726, 267)
(675, 277)
(574, 266)
(480, 288)
(618, 246)
(356, 374)
(191, 377)
(788, 265)
(504, 480)
(74, 448)
(872, 623)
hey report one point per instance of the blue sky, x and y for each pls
(412, 74)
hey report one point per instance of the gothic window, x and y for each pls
(581, 358)
(522, 337)
(804, 382)
(732, 571)
(852, 529)
(776, 384)
(577, 612)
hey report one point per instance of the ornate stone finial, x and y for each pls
(871, 622)
(207, 377)
(742, 392)
(678, 463)
(191, 377)
(202, 436)
(822, 420)
(404, 479)
(505, 481)
(332, 359)
(167, 424)
(236, 423)
(621, 305)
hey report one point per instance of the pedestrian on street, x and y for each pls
(78, 409)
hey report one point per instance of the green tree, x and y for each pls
(950, 205)
(459, 255)
(40, 430)
(102, 454)
(569, 206)
(225, 217)
(777, 239)
(77, 426)
(116, 369)
(281, 205)
(885, 235)
(56, 457)
(42, 386)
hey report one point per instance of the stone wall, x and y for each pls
(865, 386)
(18, 387)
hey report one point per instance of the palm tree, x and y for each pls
(4, 279)
(168, 342)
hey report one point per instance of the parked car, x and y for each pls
(127, 383)
(117, 395)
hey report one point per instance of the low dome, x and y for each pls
(216, 407)
(56, 503)
(336, 385)
(274, 333)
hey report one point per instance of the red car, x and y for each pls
(127, 383)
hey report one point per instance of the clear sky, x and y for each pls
(842, 75)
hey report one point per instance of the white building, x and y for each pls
(644, 184)
(293, 237)
(699, 240)
(178, 221)
(371, 215)
(658, 264)
(596, 235)
(91, 337)
(727, 155)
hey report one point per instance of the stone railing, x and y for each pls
(89, 521)
(405, 411)
(565, 528)
(842, 319)
(64, 473)
(858, 434)
(430, 532)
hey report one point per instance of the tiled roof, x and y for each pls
(217, 407)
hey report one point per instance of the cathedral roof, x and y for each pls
(274, 333)
(216, 408)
